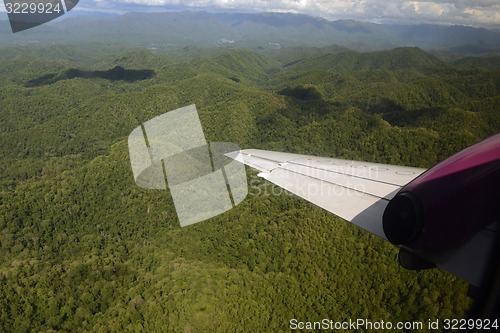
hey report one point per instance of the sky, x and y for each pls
(466, 12)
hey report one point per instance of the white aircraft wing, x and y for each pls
(356, 191)
(359, 193)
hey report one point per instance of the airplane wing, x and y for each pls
(356, 191)
(359, 192)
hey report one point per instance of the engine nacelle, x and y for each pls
(450, 202)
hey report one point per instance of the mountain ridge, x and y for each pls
(264, 30)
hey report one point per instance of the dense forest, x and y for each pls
(82, 248)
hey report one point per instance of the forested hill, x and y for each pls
(395, 59)
(82, 248)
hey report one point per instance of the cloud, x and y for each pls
(468, 12)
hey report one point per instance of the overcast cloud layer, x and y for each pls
(467, 12)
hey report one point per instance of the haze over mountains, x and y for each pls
(257, 31)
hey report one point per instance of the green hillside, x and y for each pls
(396, 59)
(83, 249)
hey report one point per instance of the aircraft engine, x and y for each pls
(450, 202)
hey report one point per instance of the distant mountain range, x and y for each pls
(258, 31)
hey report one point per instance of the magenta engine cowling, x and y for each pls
(448, 203)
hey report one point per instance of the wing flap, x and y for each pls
(352, 182)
